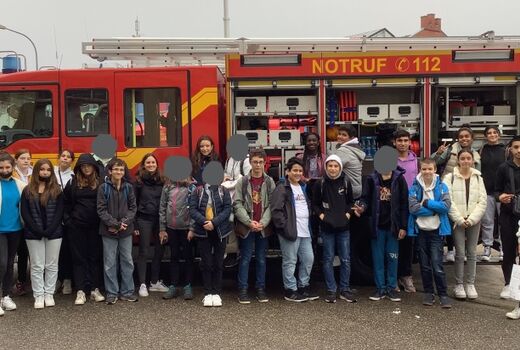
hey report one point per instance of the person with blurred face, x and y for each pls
(492, 154)
(64, 174)
(10, 227)
(468, 204)
(42, 212)
(290, 211)
(429, 203)
(507, 191)
(332, 202)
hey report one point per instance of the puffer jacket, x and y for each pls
(243, 204)
(115, 206)
(40, 224)
(476, 206)
(174, 211)
(221, 211)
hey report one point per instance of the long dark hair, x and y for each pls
(197, 157)
(142, 172)
(52, 188)
(306, 152)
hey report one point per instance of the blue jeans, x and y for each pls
(292, 251)
(246, 252)
(341, 242)
(385, 252)
(114, 248)
(430, 245)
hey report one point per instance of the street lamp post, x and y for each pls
(2, 27)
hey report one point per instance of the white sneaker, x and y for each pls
(505, 293)
(97, 296)
(217, 301)
(49, 300)
(1, 311)
(208, 300)
(67, 287)
(143, 291)
(159, 286)
(515, 314)
(80, 298)
(7, 303)
(471, 292)
(450, 257)
(39, 302)
(459, 291)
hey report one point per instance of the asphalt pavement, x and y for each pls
(154, 323)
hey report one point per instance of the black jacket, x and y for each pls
(148, 196)
(283, 211)
(334, 199)
(81, 203)
(114, 207)
(504, 185)
(398, 201)
(491, 156)
(40, 224)
(221, 201)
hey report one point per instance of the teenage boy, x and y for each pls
(253, 215)
(116, 208)
(332, 202)
(351, 156)
(290, 212)
(507, 191)
(429, 203)
(385, 196)
(406, 160)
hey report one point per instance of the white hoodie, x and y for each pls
(428, 223)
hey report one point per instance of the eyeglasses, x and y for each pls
(258, 162)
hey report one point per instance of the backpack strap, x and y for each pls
(242, 168)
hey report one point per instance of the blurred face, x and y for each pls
(466, 160)
(24, 161)
(312, 143)
(65, 160)
(45, 172)
(295, 174)
(257, 166)
(343, 136)
(402, 144)
(205, 147)
(87, 169)
(150, 164)
(465, 139)
(117, 172)
(492, 136)
(515, 151)
(333, 168)
(6, 169)
(427, 171)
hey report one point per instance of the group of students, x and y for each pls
(98, 210)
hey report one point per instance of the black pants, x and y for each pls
(86, 247)
(450, 243)
(212, 251)
(65, 262)
(404, 267)
(23, 258)
(8, 245)
(180, 248)
(508, 227)
(149, 232)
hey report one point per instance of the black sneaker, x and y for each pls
(243, 298)
(378, 295)
(393, 295)
(428, 299)
(294, 296)
(261, 296)
(131, 298)
(306, 292)
(348, 296)
(330, 297)
(445, 302)
(111, 299)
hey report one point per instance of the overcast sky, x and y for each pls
(61, 25)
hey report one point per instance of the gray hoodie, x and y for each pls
(352, 157)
